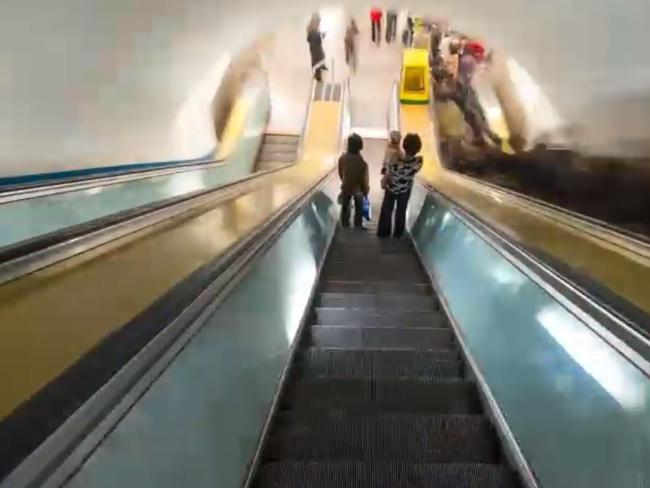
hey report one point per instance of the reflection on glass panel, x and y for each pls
(598, 359)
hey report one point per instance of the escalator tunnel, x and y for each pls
(284, 351)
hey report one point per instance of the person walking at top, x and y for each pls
(350, 40)
(407, 33)
(391, 25)
(315, 40)
(353, 171)
(375, 20)
(466, 97)
(398, 183)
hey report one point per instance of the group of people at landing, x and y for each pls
(399, 167)
(315, 39)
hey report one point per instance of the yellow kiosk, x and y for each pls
(415, 83)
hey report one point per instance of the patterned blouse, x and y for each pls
(401, 173)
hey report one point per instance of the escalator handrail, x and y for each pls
(26, 192)
(305, 123)
(32, 254)
(393, 122)
(581, 222)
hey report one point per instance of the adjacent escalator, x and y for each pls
(277, 150)
(378, 395)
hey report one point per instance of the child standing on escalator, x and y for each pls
(393, 152)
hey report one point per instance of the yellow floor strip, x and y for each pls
(50, 318)
(623, 270)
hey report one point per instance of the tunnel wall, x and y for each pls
(88, 83)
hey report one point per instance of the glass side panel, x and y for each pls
(579, 409)
(198, 424)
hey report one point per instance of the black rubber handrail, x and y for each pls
(54, 183)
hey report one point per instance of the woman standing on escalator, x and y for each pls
(353, 171)
(397, 184)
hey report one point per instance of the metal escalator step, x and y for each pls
(363, 252)
(355, 274)
(276, 157)
(315, 362)
(382, 338)
(342, 286)
(340, 436)
(281, 139)
(379, 317)
(388, 395)
(345, 252)
(269, 165)
(404, 301)
(373, 271)
(386, 474)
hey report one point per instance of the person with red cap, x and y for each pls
(466, 97)
(375, 19)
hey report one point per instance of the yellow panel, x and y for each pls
(50, 318)
(415, 80)
(619, 266)
(234, 128)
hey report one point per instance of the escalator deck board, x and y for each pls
(377, 395)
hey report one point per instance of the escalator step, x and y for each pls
(379, 364)
(387, 474)
(348, 251)
(333, 286)
(379, 258)
(380, 337)
(404, 301)
(389, 395)
(373, 272)
(341, 436)
(379, 317)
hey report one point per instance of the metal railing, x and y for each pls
(393, 121)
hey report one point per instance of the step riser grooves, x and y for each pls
(376, 395)
(380, 338)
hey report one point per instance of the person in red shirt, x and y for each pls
(375, 18)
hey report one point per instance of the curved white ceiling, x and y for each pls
(99, 82)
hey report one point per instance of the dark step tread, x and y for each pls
(314, 362)
(383, 338)
(389, 395)
(370, 287)
(333, 435)
(403, 301)
(378, 317)
(386, 474)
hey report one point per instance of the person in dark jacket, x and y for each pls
(398, 184)
(391, 25)
(316, 51)
(350, 44)
(353, 171)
